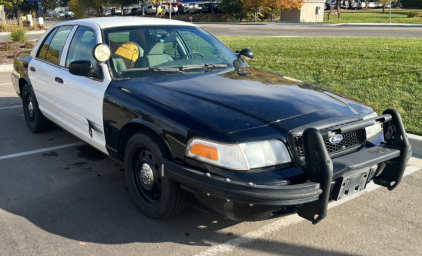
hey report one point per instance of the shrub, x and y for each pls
(29, 45)
(17, 35)
(4, 27)
(413, 14)
(6, 46)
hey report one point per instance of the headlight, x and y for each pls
(372, 130)
(242, 156)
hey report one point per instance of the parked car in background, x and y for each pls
(193, 7)
(361, 4)
(69, 14)
(330, 5)
(206, 8)
(174, 9)
(151, 9)
(352, 4)
(372, 4)
(199, 8)
(393, 5)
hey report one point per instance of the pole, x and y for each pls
(171, 9)
(40, 12)
(212, 10)
(390, 11)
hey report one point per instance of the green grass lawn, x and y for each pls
(373, 16)
(381, 72)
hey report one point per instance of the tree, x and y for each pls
(384, 3)
(234, 8)
(291, 4)
(63, 3)
(273, 5)
(157, 3)
(11, 7)
(143, 6)
(80, 7)
(253, 4)
(49, 5)
(125, 3)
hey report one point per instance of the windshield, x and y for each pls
(140, 51)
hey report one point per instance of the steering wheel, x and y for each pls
(193, 53)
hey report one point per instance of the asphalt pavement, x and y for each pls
(59, 196)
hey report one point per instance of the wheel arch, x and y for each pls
(22, 82)
(135, 126)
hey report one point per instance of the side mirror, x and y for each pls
(246, 53)
(101, 52)
(81, 68)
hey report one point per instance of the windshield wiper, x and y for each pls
(204, 66)
(158, 69)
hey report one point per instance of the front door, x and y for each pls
(79, 100)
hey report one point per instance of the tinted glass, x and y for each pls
(43, 49)
(55, 48)
(82, 46)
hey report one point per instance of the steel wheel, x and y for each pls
(155, 195)
(148, 182)
(35, 120)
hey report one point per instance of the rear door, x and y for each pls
(41, 70)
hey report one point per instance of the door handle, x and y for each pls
(58, 80)
(32, 69)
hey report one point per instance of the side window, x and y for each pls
(43, 49)
(82, 45)
(53, 46)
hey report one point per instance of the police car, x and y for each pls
(192, 123)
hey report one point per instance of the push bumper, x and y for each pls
(330, 179)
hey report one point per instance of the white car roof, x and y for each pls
(109, 22)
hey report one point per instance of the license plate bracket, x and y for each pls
(350, 184)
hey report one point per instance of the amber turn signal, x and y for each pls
(206, 151)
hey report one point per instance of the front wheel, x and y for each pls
(156, 196)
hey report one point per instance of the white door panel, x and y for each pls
(80, 106)
(41, 76)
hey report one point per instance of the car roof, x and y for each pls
(109, 22)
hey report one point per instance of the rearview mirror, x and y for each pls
(246, 53)
(81, 68)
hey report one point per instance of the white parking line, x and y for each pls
(283, 222)
(41, 150)
(17, 106)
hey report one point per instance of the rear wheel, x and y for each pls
(156, 196)
(35, 120)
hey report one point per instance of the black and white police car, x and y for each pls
(194, 124)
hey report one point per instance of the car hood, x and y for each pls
(238, 100)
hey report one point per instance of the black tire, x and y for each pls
(158, 197)
(35, 120)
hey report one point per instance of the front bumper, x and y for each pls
(329, 179)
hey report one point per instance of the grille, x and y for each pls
(350, 139)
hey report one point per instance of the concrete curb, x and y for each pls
(28, 33)
(314, 24)
(416, 142)
(6, 68)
